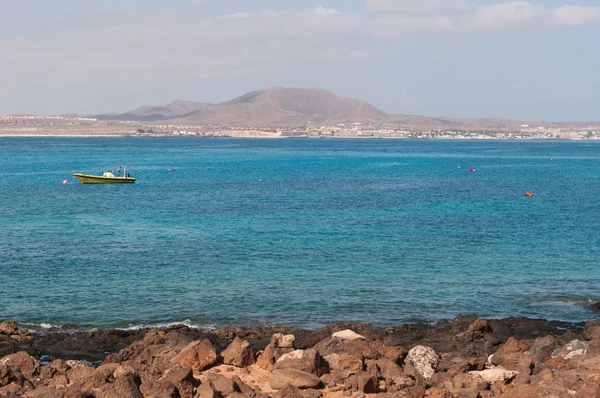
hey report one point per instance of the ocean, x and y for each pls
(254, 232)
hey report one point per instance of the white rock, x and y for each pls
(347, 335)
(424, 359)
(572, 349)
(283, 340)
(494, 375)
(297, 354)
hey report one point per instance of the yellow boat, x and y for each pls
(107, 177)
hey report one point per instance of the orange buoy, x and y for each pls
(528, 194)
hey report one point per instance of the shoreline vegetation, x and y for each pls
(465, 357)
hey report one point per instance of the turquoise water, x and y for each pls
(298, 232)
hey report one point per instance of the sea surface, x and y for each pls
(297, 232)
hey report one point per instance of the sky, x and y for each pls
(525, 60)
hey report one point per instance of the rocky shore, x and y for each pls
(468, 357)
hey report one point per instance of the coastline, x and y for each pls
(487, 138)
(467, 356)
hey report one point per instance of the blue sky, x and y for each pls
(527, 60)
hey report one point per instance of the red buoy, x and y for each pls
(65, 182)
(528, 194)
(470, 169)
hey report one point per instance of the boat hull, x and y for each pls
(92, 179)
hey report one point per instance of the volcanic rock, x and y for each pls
(279, 378)
(239, 353)
(592, 330)
(304, 360)
(347, 335)
(511, 356)
(424, 360)
(572, 349)
(198, 355)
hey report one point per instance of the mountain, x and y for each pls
(275, 106)
(155, 113)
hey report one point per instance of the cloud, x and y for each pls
(129, 47)
(405, 18)
(418, 6)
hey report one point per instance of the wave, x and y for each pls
(185, 322)
(43, 327)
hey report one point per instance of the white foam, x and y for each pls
(185, 322)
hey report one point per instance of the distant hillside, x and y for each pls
(154, 113)
(287, 107)
(275, 106)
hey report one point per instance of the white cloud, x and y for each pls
(408, 18)
(130, 47)
(418, 6)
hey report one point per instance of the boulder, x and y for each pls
(283, 340)
(593, 347)
(181, 377)
(592, 330)
(512, 356)
(347, 335)
(288, 391)
(269, 357)
(424, 360)
(571, 350)
(495, 375)
(223, 385)
(198, 355)
(161, 389)
(343, 362)
(207, 390)
(151, 355)
(22, 362)
(8, 327)
(367, 382)
(126, 385)
(542, 348)
(279, 378)
(478, 328)
(239, 353)
(304, 360)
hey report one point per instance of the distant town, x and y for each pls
(89, 126)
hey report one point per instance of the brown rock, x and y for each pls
(268, 357)
(470, 381)
(367, 382)
(462, 365)
(304, 360)
(344, 362)
(198, 355)
(22, 362)
(239, 353)
(592, 330)
(542, 348)
(223, 385)
(588, 391)
(207, 390)
(126, 385)
(160, 389)
(478, 328)
(593, 347)
(152, 355)
(182, 377)
(511, 356)
(279, 378)
(8, 327)
(288, 391)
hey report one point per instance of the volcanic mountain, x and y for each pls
(275, 106)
